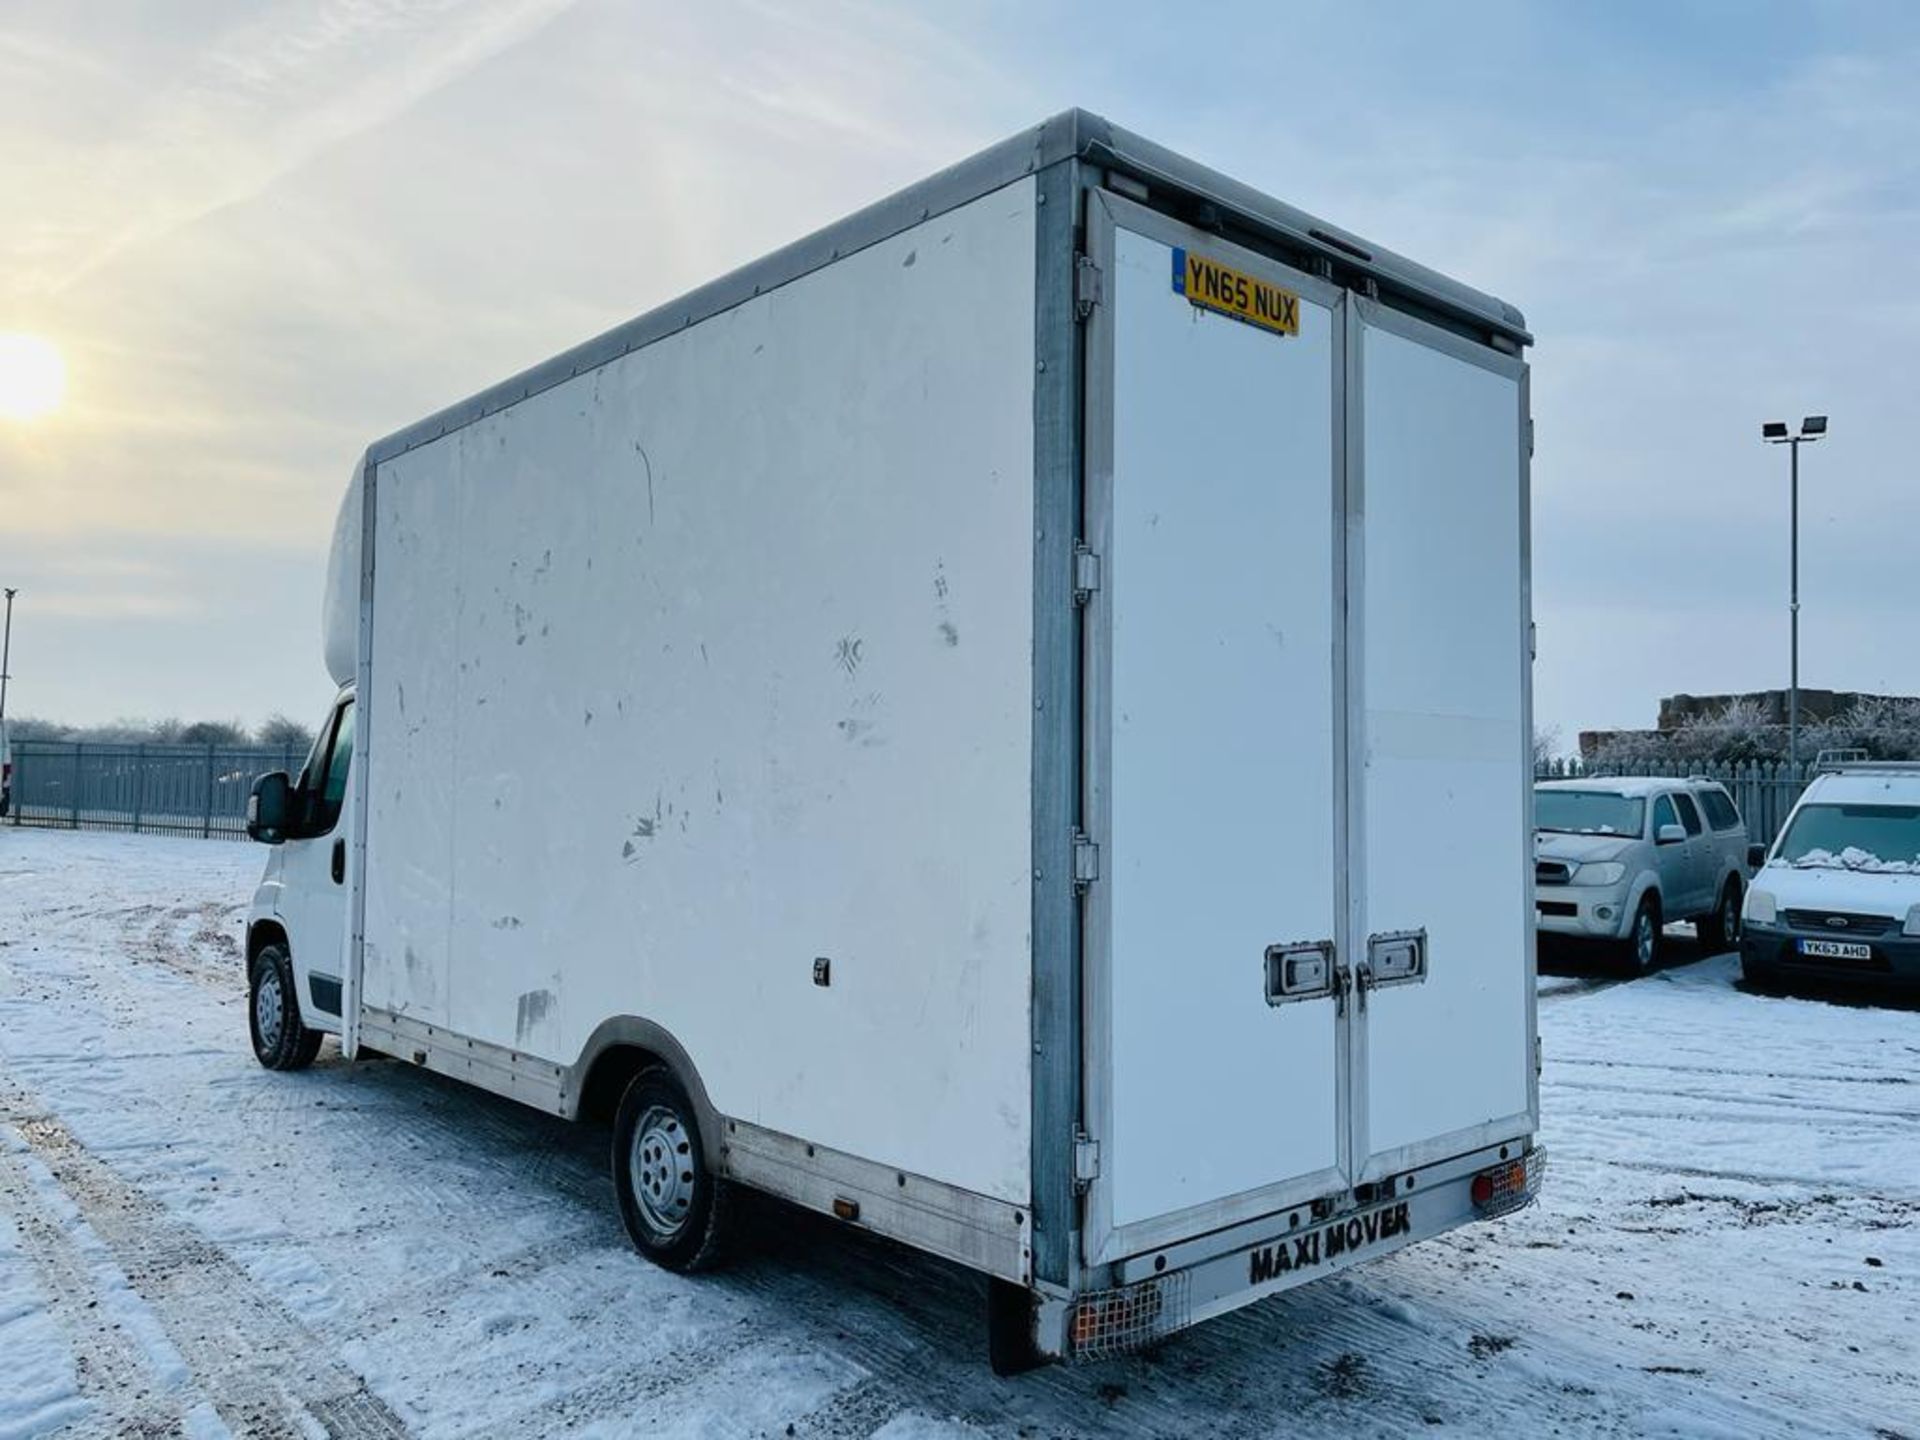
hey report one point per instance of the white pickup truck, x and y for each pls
(1616, 859)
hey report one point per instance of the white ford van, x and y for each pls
(1839, 896)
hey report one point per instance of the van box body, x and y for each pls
(1021, 698)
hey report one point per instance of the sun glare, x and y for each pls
(33, 377)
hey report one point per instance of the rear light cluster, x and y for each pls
(1509, 1185)
(1107, 1323)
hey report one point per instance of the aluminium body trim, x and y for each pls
(1072, 134)
(1054, 931)
(361, 764)
(980, 1231)
(1143, 159)
(1287, 1219)
(512, 1073)
(1527, 647)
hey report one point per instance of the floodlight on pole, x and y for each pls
(1774, 432)
(6, 649)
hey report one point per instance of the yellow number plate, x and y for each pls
(1213, 286)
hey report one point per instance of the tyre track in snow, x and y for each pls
(261, 1371)
(876, 1333)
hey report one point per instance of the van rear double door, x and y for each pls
(1308, 959)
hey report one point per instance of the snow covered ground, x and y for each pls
(1727, 1245)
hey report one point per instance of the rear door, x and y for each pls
(1439, 641)
(1216, 1064)
(1700, 858)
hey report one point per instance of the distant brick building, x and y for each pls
(1677, 710)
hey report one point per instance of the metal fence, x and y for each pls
(203, 789)
(1764, 790)
(162, 789)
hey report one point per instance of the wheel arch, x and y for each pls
(265, 932)
(1648, 883)
(619, 1049)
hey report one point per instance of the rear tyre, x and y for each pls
(673, 1206)
(1720, 932)
(1642, 949)
(280, 1040)
(1010, 1345)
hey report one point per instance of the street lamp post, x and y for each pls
(6, 650)
(1774, 432)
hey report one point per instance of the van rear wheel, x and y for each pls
(673, 1206)
(280, 1040)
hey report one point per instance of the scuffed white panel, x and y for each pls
(717, 660)
(340, 608)
(410, 724)
(1447, 827)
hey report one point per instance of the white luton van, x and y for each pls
(1005, 722)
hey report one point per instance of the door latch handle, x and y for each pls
(1396, 957)
(1300, 970)
(1362, 981)
(340, 862)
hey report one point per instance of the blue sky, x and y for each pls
(265, 232)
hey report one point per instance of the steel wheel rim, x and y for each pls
(660, 1168)
(268, 1008)
(1643, 940)
(1730, 918)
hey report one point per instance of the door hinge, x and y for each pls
(1086, 1159)
(1086, 861)
(1088, 286)
(1086, 574)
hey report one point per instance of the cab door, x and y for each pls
(1673, 859)
(313, 895)
(1216, 1051)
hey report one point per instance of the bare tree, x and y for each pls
(282, 729)
(213, 732)
(1546, 745)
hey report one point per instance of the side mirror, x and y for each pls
(1670, 835)
(1756, 856)
(269, 807)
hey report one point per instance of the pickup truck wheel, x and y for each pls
(280, 1040)
(673, 1206)
(1643, 939)
(1720, 932)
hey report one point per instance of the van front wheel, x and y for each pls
(280, 1040)
(673, 1206)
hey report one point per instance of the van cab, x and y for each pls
(1839, 895)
